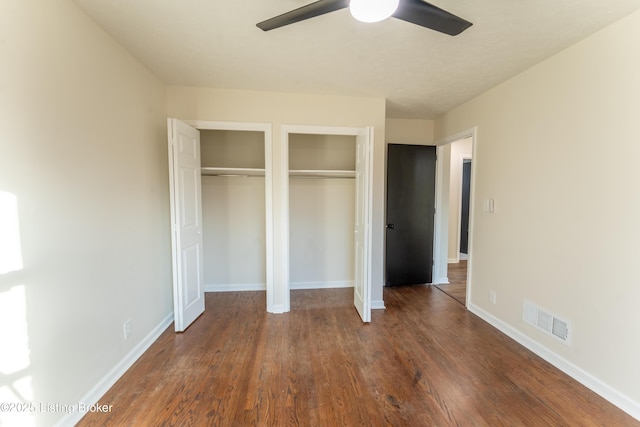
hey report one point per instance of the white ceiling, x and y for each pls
(421, 73)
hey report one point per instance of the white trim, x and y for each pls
(453, 261)
(441, 281)
(233, 287)
(99, 390)
(368, 204)
(322, 285)
(267, 129)
(378, 305)
(278, 309)
(323, 130)
(219, 125)
(284, 215)
(472, 132)
(472, 214)
(268, 185)
(598, 386)
(440, 229)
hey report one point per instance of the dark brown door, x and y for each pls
(411, 175)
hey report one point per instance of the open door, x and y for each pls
(362, 279)
(186, 223)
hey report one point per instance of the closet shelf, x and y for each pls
(315, 173)
(211, 171)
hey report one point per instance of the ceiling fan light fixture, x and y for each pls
(372, 10)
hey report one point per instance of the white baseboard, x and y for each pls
(378, 305)
(322, 285)
(453, 261)
(278, 309)
(236, 287)
(598, 386)
(441, 281)
(99, 390)
(241, 287)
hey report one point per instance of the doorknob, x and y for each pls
(391, 226)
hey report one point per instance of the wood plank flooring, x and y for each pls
(424, 361)
(457, 286)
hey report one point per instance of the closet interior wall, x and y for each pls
(233, 210)
(321, 210)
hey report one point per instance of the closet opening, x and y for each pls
(220, 188)
(327, 183)
(233, 210)
(321, 211)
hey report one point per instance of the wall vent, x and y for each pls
(546, 321)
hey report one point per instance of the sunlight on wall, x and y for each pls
(13, 331)
(10, 250)
(15, 383)
(16, 392)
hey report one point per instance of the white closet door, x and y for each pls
(186, 223)
(364, 178)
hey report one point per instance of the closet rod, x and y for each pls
(233, 175)
(320, 177)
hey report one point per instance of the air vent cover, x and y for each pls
(545, 321)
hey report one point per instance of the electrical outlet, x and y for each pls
(492, 297)
(126, 328)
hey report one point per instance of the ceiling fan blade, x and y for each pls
(312, 10)
(427, 15)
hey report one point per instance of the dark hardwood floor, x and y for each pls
(457, 286)
(424, 361)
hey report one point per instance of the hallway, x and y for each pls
(457, 286)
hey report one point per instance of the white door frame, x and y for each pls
(441, 234)
(284, 226)
(266, 128)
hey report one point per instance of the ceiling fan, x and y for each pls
(415, 11)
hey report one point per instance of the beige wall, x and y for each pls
(557, 149)
(234, 232)
(83, 157)
(459, 150)
(409, 131)
(279, 109)
(322, 220)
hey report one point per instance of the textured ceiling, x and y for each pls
(421, 73)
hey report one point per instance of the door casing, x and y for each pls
(441, 232)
